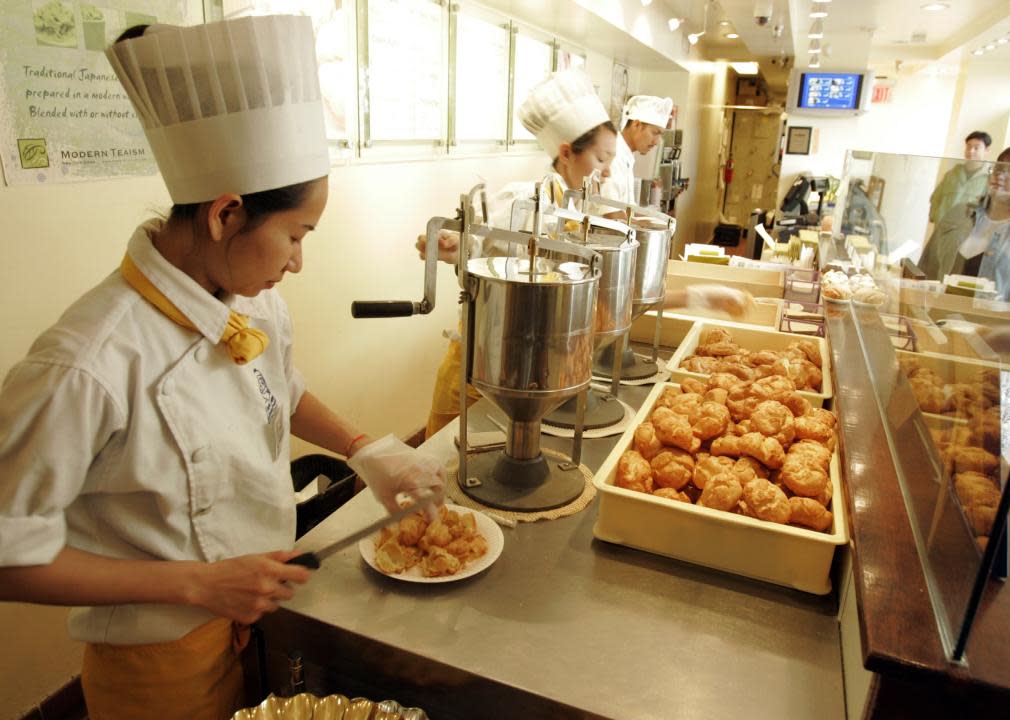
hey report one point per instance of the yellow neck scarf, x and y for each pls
(244, 343)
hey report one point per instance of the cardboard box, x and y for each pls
(755, 339)
(782, 554)
(759, 283)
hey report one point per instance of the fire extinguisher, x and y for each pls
(727, 172)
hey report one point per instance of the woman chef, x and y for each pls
(570, 124)
(144, 449)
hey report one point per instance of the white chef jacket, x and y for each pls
(126, 435)
(621, 184)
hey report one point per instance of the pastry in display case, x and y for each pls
(941, 382)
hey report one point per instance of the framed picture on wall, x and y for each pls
(798, 140)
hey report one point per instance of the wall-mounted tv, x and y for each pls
(829, 92)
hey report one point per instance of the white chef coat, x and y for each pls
(621, 184)
(126, 435)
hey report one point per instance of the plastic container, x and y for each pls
(754, 339)
(759, 283)
(672, 331)
(802, 318)
(781, 554)
(766, 312)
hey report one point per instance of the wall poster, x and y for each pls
(619, 83)
(63, 114)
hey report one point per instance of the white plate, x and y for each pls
(485, 526)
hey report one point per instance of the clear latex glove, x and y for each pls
(716, 297)
(448, 246)
(391, 468)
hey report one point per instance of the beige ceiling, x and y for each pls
(857, 33)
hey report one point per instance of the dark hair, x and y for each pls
(586, 139)
(1004, 156)
(258, 205)
(132, 32)
(980, 135)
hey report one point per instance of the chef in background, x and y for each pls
(645, 117)
(145, 440)
(571, 125)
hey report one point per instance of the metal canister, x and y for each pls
(617, 276)
(654, 238)
(532, 341)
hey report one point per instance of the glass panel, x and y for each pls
(934, 236)
(482, 67)
(533, 64)
(406, 70)
(336, 66)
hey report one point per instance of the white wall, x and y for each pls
(985, 85)
(59, 240)
(914, 122)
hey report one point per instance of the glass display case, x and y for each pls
(919, 264)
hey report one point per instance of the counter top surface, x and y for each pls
(605, 629)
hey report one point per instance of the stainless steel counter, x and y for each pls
(564, 625)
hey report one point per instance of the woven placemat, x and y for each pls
(456, 494)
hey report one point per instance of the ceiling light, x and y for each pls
(818, 13)
(815, 62)
(815, 47)
(745, 68)
(936, 6)
(674, 23)
(816, 30)
(732, 36)
(990, 46)
(821, 2)
(724, 23)
(980, 51)
(693, 37)
(1003, 41)
(646, 3)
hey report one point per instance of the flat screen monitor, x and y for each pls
(829, 92)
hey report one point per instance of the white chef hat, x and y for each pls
(230, 106)
(649, 109)
(561, 109)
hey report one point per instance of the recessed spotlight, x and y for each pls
(724, 23)
(816, 30)
(1003, 41)
(936, 6)
(990, 46)
(980, 51)
(694, 37)
(821, 2)
(674, 23)
(732, 36)
(818, 13)
(646, 3)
